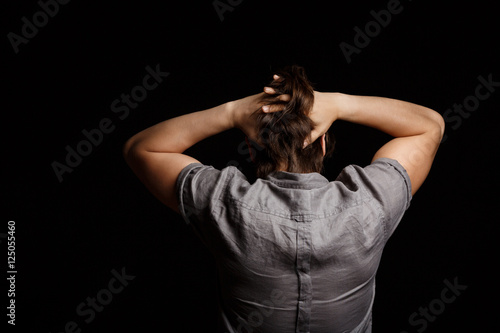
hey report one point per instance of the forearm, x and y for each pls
(394, 117)
(156, 154)
(417, 130)
(178, 134)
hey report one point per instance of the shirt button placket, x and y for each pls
(303, 260)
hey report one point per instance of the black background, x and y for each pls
(70, 235)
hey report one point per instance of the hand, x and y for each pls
(323, 114)
(245, 110)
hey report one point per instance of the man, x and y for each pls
(294, 251)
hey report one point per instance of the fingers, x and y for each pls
(277, 105)
(279, 102)
(285, 98)
(282, 97)
(273, 107)
(269, 90)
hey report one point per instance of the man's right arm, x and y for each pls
(417, 130)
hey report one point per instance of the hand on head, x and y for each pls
(321, 112)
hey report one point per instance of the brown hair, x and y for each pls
(282, 133)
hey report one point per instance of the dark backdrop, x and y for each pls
(75, 234)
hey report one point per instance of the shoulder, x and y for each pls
(202, 174)
(385, 183)
(199, 185)
(206, 180)
(382, 170)
(384, 180)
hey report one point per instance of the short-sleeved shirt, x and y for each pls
(295, 252)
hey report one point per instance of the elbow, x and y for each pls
(440, 123)
(126, 149)
(436, 124)
(130, 150)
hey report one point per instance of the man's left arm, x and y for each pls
(156, 154)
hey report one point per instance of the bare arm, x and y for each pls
(417, 130)
(156, 154)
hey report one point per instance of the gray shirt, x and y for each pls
(295, 252)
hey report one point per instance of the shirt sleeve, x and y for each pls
(196, 187)
(387, 182)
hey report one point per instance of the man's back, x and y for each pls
(295, 252)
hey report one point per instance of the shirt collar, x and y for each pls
(297, 180)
